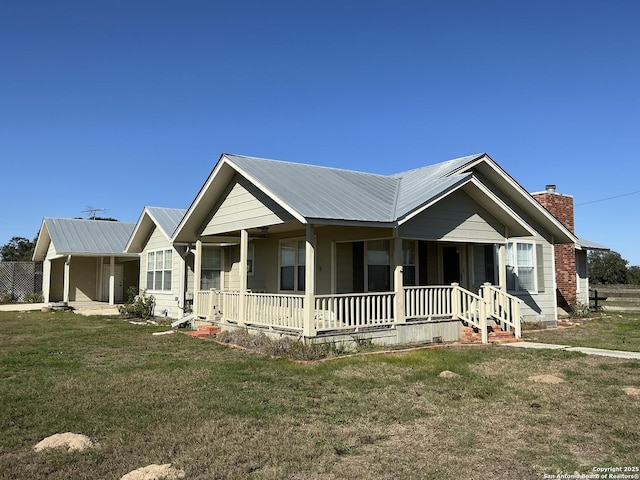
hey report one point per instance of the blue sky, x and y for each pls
(121, 104)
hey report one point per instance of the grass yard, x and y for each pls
(219, 413)
(614, 331)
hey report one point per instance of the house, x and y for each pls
(314, 251)
(572, 277)
(84, 260)
(166, 268)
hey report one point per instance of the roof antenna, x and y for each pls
(92, 211)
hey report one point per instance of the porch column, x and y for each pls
(244, 256)
(112, 280)
(502, 267)
(197, 277)
(46, 280)
(398, 280)
(308, 329)
(65, 291)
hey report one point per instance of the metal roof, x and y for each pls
(167, 219)
(98, 237)
(333, 193)
(323, 192)
(588, 245)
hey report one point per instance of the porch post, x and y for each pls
(197, 276)
(308, 329)
(398, 281)
(46, 280)
(244, 255)
(65, 291)
(502, 267)
(112, 280)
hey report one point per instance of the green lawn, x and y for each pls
(615, 331)
(221, 413)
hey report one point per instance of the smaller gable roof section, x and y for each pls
(83, 237)
(315, 193)
(166, 219)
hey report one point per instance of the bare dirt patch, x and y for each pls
(155, 472)
(632, 391)
(545, 379)
(72, 441)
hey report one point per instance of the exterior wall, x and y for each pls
(561, 207)
(165, 302)
(56, 280)
(83, 281)
(457, 218)
(245, 206)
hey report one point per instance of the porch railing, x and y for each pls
(276, 310)
(353, 311)
(361, 310)
(502, 307)
(428, 302)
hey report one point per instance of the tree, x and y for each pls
(19, 249)
(607, 268)
(633, 276)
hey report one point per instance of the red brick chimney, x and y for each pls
(561, 207)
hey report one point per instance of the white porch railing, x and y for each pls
(349, 311)
(362, 310)
(428, 302)
(502, 307)
(275, 310)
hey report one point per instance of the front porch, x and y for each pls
(416, 314)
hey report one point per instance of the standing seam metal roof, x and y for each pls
(332, 193)
(99, 237)
(167, 219)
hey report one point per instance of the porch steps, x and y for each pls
(496, 335)
(203, 331)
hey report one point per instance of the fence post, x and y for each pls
(455, 300)
(516, 319)
(483, 323)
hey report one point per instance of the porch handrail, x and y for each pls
(470, 308)
(503, 307)
(354, 310)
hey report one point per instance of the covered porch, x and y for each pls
(323, 282)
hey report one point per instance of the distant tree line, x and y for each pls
(609, 268)
(19, 249)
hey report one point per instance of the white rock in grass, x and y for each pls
(632, 391)
(155, 472)
(72, 441)
(448, 374)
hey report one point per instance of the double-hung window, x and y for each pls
(211, 268)
(159, 270)
(378, 266)
(292, 265)
(521, 267)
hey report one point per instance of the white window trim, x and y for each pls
(170, 269)
(221, 269)
(514, 251)
(295, 270)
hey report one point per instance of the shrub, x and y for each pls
(6, 297)
(138, 304)
(289, 347)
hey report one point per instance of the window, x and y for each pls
(159, 270)
(521, 271)
(292, 263)
(211, 268)
(408, 262)
(378, 266)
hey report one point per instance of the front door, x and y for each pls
(450, 265)
(118, 283)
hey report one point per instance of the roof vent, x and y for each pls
(550, 188)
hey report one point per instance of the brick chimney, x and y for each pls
(561, 207)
